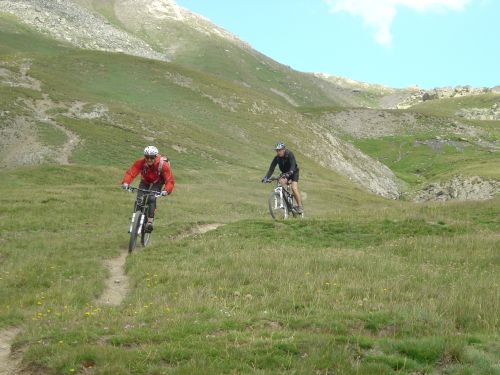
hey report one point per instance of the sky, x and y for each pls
(397, 43)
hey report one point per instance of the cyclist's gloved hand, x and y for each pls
(265, 180)
(164, 193)
(125, 186)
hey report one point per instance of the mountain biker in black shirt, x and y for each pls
(289, 172)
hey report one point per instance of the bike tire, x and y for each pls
(277, 207)
(133, 235)
(145, 238)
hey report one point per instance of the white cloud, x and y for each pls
(379, 14)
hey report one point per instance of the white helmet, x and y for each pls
(279, 146)
(150, 151)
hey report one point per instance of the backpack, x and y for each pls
(163, 160)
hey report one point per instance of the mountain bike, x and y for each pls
(139, 217)
(281, 202)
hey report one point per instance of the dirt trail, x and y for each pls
(195, 231)
(39, 110)
(21, 79)
(117, 285)
(8, 365)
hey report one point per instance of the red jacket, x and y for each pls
(150, 174)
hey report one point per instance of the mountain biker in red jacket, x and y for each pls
(289, 168)
(153, 177)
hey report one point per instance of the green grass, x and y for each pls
(363, 285)
(490, 129)
(417, 164)
(449, 107)
(50, 135)
(393, 288)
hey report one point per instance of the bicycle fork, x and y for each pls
(139, 230)
(281, 201)
(132, 220)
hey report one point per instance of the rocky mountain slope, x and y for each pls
(248, 83)
(70, 23)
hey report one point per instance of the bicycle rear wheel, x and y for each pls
(133, 233)
(277, 207)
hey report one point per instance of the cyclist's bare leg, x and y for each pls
(296, 194)
(283, 182)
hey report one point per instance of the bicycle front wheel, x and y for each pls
(277, 207)
(145, 237)
(133, 233)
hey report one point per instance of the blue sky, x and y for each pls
(397, 43)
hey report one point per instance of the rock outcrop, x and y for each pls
(419, 95)
(459, 188)
(491, 114)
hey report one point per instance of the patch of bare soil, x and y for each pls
(117, 283)
(19, 144)
(18, 134)
(20, 79)
(9, 364)
(196, 231)
(370, 123)
(39, 110)
(397, 99)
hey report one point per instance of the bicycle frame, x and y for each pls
(285, 198)
(141, 207)
(141, 203)
(285, 195)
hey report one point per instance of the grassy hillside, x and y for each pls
(363, 285)
(449, 107)
(419, 160)
(198, 44)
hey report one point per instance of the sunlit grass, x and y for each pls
(362, 285)
(404, 288)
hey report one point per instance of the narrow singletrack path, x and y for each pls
(117, 283)
(9, 365)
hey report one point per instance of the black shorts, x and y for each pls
(294, 177)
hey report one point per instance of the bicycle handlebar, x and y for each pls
(157, 194)
(274, 178)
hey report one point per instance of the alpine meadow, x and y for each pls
(394, 268)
